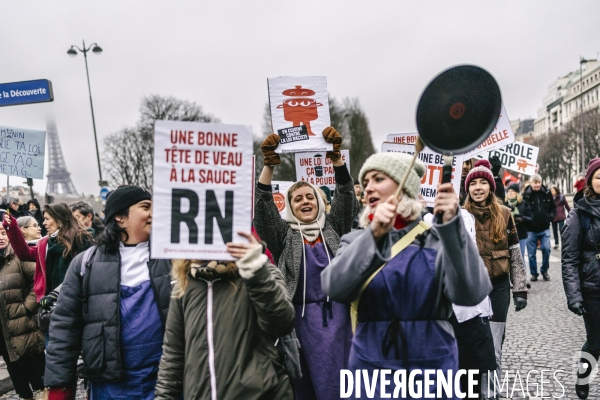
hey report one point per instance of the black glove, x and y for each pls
(520, 303)
(48, 301)
(496, 165)
(577, 308)
(81, 371)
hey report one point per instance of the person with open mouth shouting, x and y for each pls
(303, 244)
(402, 275)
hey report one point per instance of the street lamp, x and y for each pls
(72, 53)
(581, 62)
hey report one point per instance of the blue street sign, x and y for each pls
(103, 193)
(26, 92)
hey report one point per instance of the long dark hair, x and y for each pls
(497, 223)
(70, 233)
(111, 237)
(589, 192)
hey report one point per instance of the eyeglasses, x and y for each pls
(34, 226)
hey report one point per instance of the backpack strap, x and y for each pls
(86, 265)
(400, 245)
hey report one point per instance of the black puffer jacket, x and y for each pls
(543, 209)
(580, 267)
(96, 332)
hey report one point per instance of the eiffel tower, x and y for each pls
(58, 176)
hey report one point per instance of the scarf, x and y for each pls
(399, 223)
(592, 202)
(513, 207)
(56, 264)
(309, 231)
(481, 213)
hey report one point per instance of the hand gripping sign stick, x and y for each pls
(456, 113)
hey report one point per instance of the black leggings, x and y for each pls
(500, 297)
(27, 373)
(591, 319)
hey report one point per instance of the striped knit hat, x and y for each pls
(482, 169)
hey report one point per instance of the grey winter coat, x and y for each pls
(286, 244)
(95, 333)
(580, 266)
(461, 273)
(245, 318)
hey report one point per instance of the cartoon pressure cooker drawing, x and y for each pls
(300, 110)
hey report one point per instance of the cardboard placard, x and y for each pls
(433, 168)
(22, 152)
(202, 189)
(518, 156)
(318, 170)
(280, 189)
(501, 136)
(299, 112)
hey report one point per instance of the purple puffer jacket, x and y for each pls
(561, 204)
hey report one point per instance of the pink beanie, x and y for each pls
(482, 169)
(592, 167)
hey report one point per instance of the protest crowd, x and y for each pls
(366, 276)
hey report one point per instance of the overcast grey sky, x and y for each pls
(219, 53)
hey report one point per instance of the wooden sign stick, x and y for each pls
(418, 148)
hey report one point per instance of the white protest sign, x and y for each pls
(501, 136)
(517, 156)
(202, 189)
(280, 189)
(299, 112)
(317, 169)
(434, 163)
(402, 138)
(22, 152)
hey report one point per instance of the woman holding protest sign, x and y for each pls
(303, 245)
(499, 246)
(401, 312)
(249, 310)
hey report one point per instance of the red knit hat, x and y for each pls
(592, 167)
(482, 169)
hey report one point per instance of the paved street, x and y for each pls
(544, 336)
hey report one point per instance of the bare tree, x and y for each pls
(128, 155)
(560, 152)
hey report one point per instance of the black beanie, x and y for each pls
(514, 186)
(122, 198)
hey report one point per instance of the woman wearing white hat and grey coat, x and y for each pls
(402, 317)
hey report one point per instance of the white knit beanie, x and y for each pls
(394, 165)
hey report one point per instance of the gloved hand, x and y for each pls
(268, 147)
(332, 136)
(48, 301)
(251, 262)
(577, 308)
(496, 165)
(61, 393)
(81, 371)
(520, 303)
